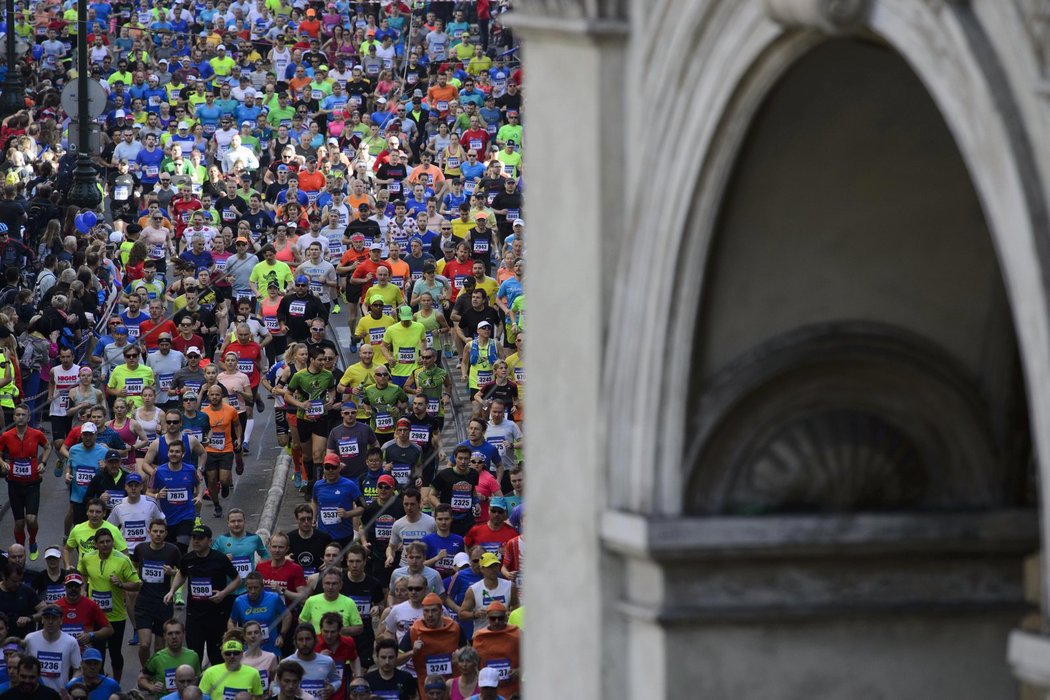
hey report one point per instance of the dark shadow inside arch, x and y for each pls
(854, 325)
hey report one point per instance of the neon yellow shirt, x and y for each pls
(132, 381)
(220, 682)
(316, 606)
(405, 345)
(97, 571)
(82, 538)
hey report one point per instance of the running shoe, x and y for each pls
(60, 467)
(34, 551)
(134, 641)
(336, 309)
(218, 510)
(180, 597)
(297, 480)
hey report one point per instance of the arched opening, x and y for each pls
(855, 348)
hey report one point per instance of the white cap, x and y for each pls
(120, 114)
(184, 125)
(460, 560)
(334, 140)
(250, 92)
(88, 428)
(116, 237)
(220, 47)
(163, 60)
(193, 350)
(484, 324)
(518, 222)
(153, 76)
(55, 552)
(488, 678)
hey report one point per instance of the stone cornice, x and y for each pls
(615, 10)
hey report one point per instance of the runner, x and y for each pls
(25, 451)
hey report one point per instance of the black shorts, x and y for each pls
(218, 461)
(309, 428)
(24, 498)
(222, 293)
(179, 533)
(60, 427)
(280, 421)
(151, 615)
(353, 293)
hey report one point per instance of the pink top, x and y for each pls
(457, 694)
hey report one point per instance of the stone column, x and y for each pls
(574, 206)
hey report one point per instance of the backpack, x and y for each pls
(39, 289)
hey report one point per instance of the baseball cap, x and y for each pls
(302, 279)
(331, 459)
(51, 611)
(484, 324)
(121, 330)
(52, 552)
(273, 283)
(417, 93)
(88, 428)
(246, 123)
(375, 299)
(134, 477)
(498, 502)
(405, 313)
(404, 423)
(220, 47)
(481, 215)
(460, 560)
(488, 678)
(376, 246)
(200, 531)
(90, 654)
(497, 607)
(432, 599)
(386, 480)
(120, 114)
(191, 395)
(113, 454)
(74, 578)
(232, 645)
(242, 239)
(363, 207)
(349, 406)
(193, 350)
(488, 559)
(184, 125)
(518, 222)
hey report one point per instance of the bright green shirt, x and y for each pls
(141, 376)
(405, 345)
(263, 272)
(278, 114)
(220, 682)
(96, 572)
(161, 666)
(317, 605)
(82, 538)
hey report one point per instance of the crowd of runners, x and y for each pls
(312, 209)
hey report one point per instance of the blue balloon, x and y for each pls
(90, 218)
(85, 220)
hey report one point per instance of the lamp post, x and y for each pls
(11, 101)
(84, 192)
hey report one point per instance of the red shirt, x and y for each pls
(287, 577)
(475, 135)
(363, 269)
(182, 210)
(19, 450)
(149, 331)
(182, 345)
(250, 353)
(457, 272)
(85, 616)
(342, 655)
(491, 540)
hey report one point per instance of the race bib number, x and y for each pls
(348, 447)
(519, 374)
(104, 600)
(384, 422)
(461, 502)
(50, 663)
(317, 94)
(442, 105)
(419, 434)
(475, 144)
(406, 355)
(313, 687)
(484, 376)
(398, 281)
(246, 366)
(469, 186)
(330, 516)
(401, 473)
(209, 129)
(375, 335)
(394, 186)
(220, 265)
(54, 592)
(513, 214)
(364, 605)
(243, 565)
(120, 193)
(164, 381)
(458, 280)
(228, 215)
(315, 288)
(133, 385)
(439, 665)
(452, 162)
(481, 247)
(200, 588)
(217, 440)
(297, 308)
(178, 496)
(115, 498)
(230, 693)
(271, 323)
(502, 667)
(83, 476)
(23, 469)
(74, 630)
(153, 572)
(384, 526)
(169, 679)
(433, 406)
(151, 171)
(315, 409)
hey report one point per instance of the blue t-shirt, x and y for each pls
(330, 497)
(241, 551)
(209, 117)
(488, 451)
(511, 289)
(453, 545)
(178, 506)
(267, 611)
(84, 464)
(149, 165)
(107, 687)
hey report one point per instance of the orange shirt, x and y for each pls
(438, 97)
(311, 182)
(298, 84)
(220, 438)
(354, 201)
(433, 171)
(400, 273)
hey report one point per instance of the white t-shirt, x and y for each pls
(403, 532)
(58, 659)
(133, 519)
(401, 618)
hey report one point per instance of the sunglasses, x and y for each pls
(173, 422)
(384, 487)
(131, 355)
(381, 374)
(415, 589)
(477, 461)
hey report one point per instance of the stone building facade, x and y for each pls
(795, 421)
